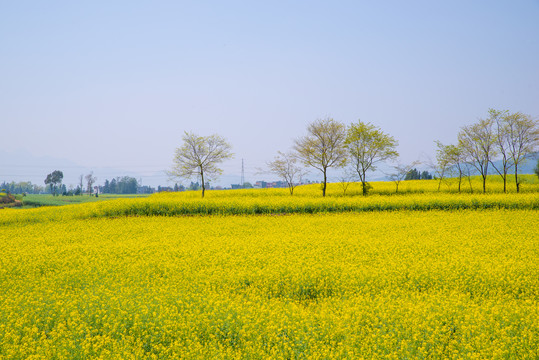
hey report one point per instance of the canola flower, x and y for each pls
(236, 203)
(458, 284)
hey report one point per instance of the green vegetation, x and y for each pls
(37, 200)
(9, 200)
(418, 195)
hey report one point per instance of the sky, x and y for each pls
(111, 86)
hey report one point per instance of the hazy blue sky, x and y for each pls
(114, 84)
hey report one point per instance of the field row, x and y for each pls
(406, 284)
(174, 204)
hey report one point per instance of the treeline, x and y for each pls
(120, 185)
(358, 148)
(503, 141)
(414, 174)
(22, 187)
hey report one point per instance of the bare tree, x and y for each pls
(367, 146)
(346, 178)
(285, 166)
(450, 161)
(81, 184)
(400, 172)
(477, 141)
(323, 147)
(442, 165)
(499, 119)
(198, 157)
(522, 139)
(90, 180)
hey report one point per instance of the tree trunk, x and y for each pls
(484, 183)
(516, 178)
(325, 183)
(504, 181)
(203, 185)
(441, 178)
(363, 183)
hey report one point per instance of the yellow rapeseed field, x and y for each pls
(337, 279)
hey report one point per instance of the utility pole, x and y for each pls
(242, 175)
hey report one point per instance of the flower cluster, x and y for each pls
(372, 284)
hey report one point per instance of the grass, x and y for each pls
(37, 200)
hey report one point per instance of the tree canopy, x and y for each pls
(53, 180)
(367, 145)
(322, 147)
(198, 157)
(285, 166)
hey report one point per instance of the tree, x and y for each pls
(499, 119)
(477, 141)
(199, 156)
(53, 179)
(367, 146)
(413, 174)
(106, 187)
(450, 159)
(537, 168)
(400, 172)
(346, 179)
(425, 175)
(90, 180)
(125, 185)
(194, 186)
(286, 167)
(523, 139)
(81, 184)
(322, 147)
(113, 186)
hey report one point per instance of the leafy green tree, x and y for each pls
(425, 175)
(53, 179)
(113, 187)
(413, 174)
(367, 145)
(194, 186)
(106, 187)
(199, 156)
(537, 168)
(322, 147)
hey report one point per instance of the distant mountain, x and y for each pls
(22, 166)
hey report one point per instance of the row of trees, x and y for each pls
(361, 146)
(54, 182)
(120, 185)
(21, 187)
(503, 141)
